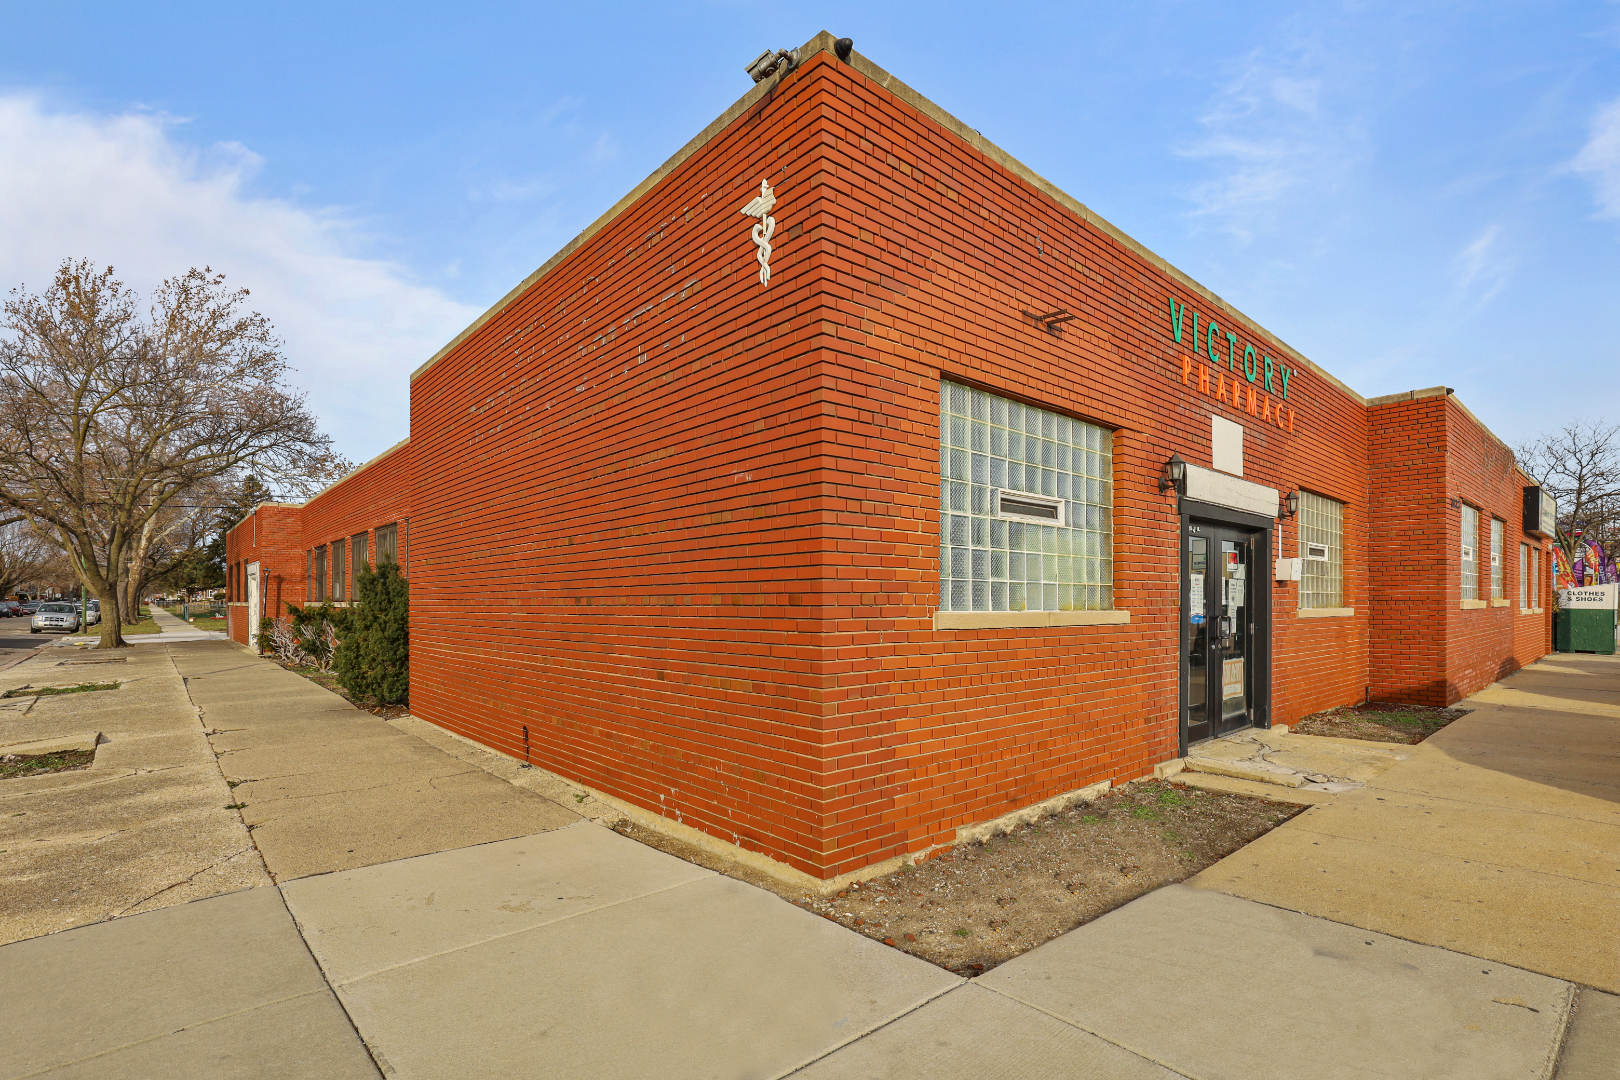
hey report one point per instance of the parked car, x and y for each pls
(31, 606)
(12, 609)
(56, 615)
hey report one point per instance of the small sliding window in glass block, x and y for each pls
(1026, 507)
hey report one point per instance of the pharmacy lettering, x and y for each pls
(1263, 375)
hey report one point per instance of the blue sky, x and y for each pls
(1411, 194)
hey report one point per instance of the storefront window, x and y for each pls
(1470, 562)
(1496, 559)
(1321, 545)
(1026, 507)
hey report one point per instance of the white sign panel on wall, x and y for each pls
(1590, 596)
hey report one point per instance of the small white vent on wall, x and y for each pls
(1026, 506)
(1316, 552)
(1468, 553)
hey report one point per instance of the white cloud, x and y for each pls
(1599, 159)
(124, 190)
(1267, 139)
(1482, 268)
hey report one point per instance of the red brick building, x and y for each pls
(847, 485)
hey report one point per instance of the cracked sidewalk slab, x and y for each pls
(1296, 761)
(144, 827)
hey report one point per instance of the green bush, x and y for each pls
(374, 647)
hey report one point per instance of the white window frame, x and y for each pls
(1060, 505)
(1321, 586)
(1498, 571)
(1470, 552)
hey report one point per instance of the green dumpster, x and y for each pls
(1584, 630)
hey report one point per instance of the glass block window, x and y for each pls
(1524, 576)
(992, 555)
(1321, 546)
(1535, 578)
(1470, 557)
(1496, 559)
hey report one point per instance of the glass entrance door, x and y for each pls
(1219, 627)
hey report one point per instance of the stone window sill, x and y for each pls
(1530, 611)
(1326, 612)
(1472, 605)
(1008, 620)
(1499, 603)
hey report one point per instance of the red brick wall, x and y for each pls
(376, 494)
(1429, 456)
(621, 498)
(1413, 564)
(939, 250)
(271, 535)
(1486, 644)
(675, 534)
(686, 529)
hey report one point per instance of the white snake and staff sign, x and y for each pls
(760, 207)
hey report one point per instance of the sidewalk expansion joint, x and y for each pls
(872, 1030)
(496, 937)
(1099, 1035)
(165, 1034)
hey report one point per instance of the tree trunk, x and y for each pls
(132, 596)
(111, 628)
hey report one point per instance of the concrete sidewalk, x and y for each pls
(431, 920)
(1499, 836)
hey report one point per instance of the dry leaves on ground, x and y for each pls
(1379, 722)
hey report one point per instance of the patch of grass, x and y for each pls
(235, 805)
(1090, 819)
(37, 764)
(961, 932)
(1146, 813)
(51, 691)
(1171, 797)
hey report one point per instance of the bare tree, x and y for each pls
(1579, 465)
(110, 416)
(24, 557)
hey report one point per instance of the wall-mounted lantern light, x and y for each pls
(1174, 476)
(1290, 505)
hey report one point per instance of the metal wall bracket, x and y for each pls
(1052, 322)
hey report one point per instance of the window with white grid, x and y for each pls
(1524, 576)
(1470, 557)
(1496, 559)
(1026, 507)
(1321, 546)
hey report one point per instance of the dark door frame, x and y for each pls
(1192, 510)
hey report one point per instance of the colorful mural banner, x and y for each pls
(1591, 566)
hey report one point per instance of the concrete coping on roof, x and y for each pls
(1446, 391)
(358, 469)
(824, 42)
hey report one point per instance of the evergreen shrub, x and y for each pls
(374, 650)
